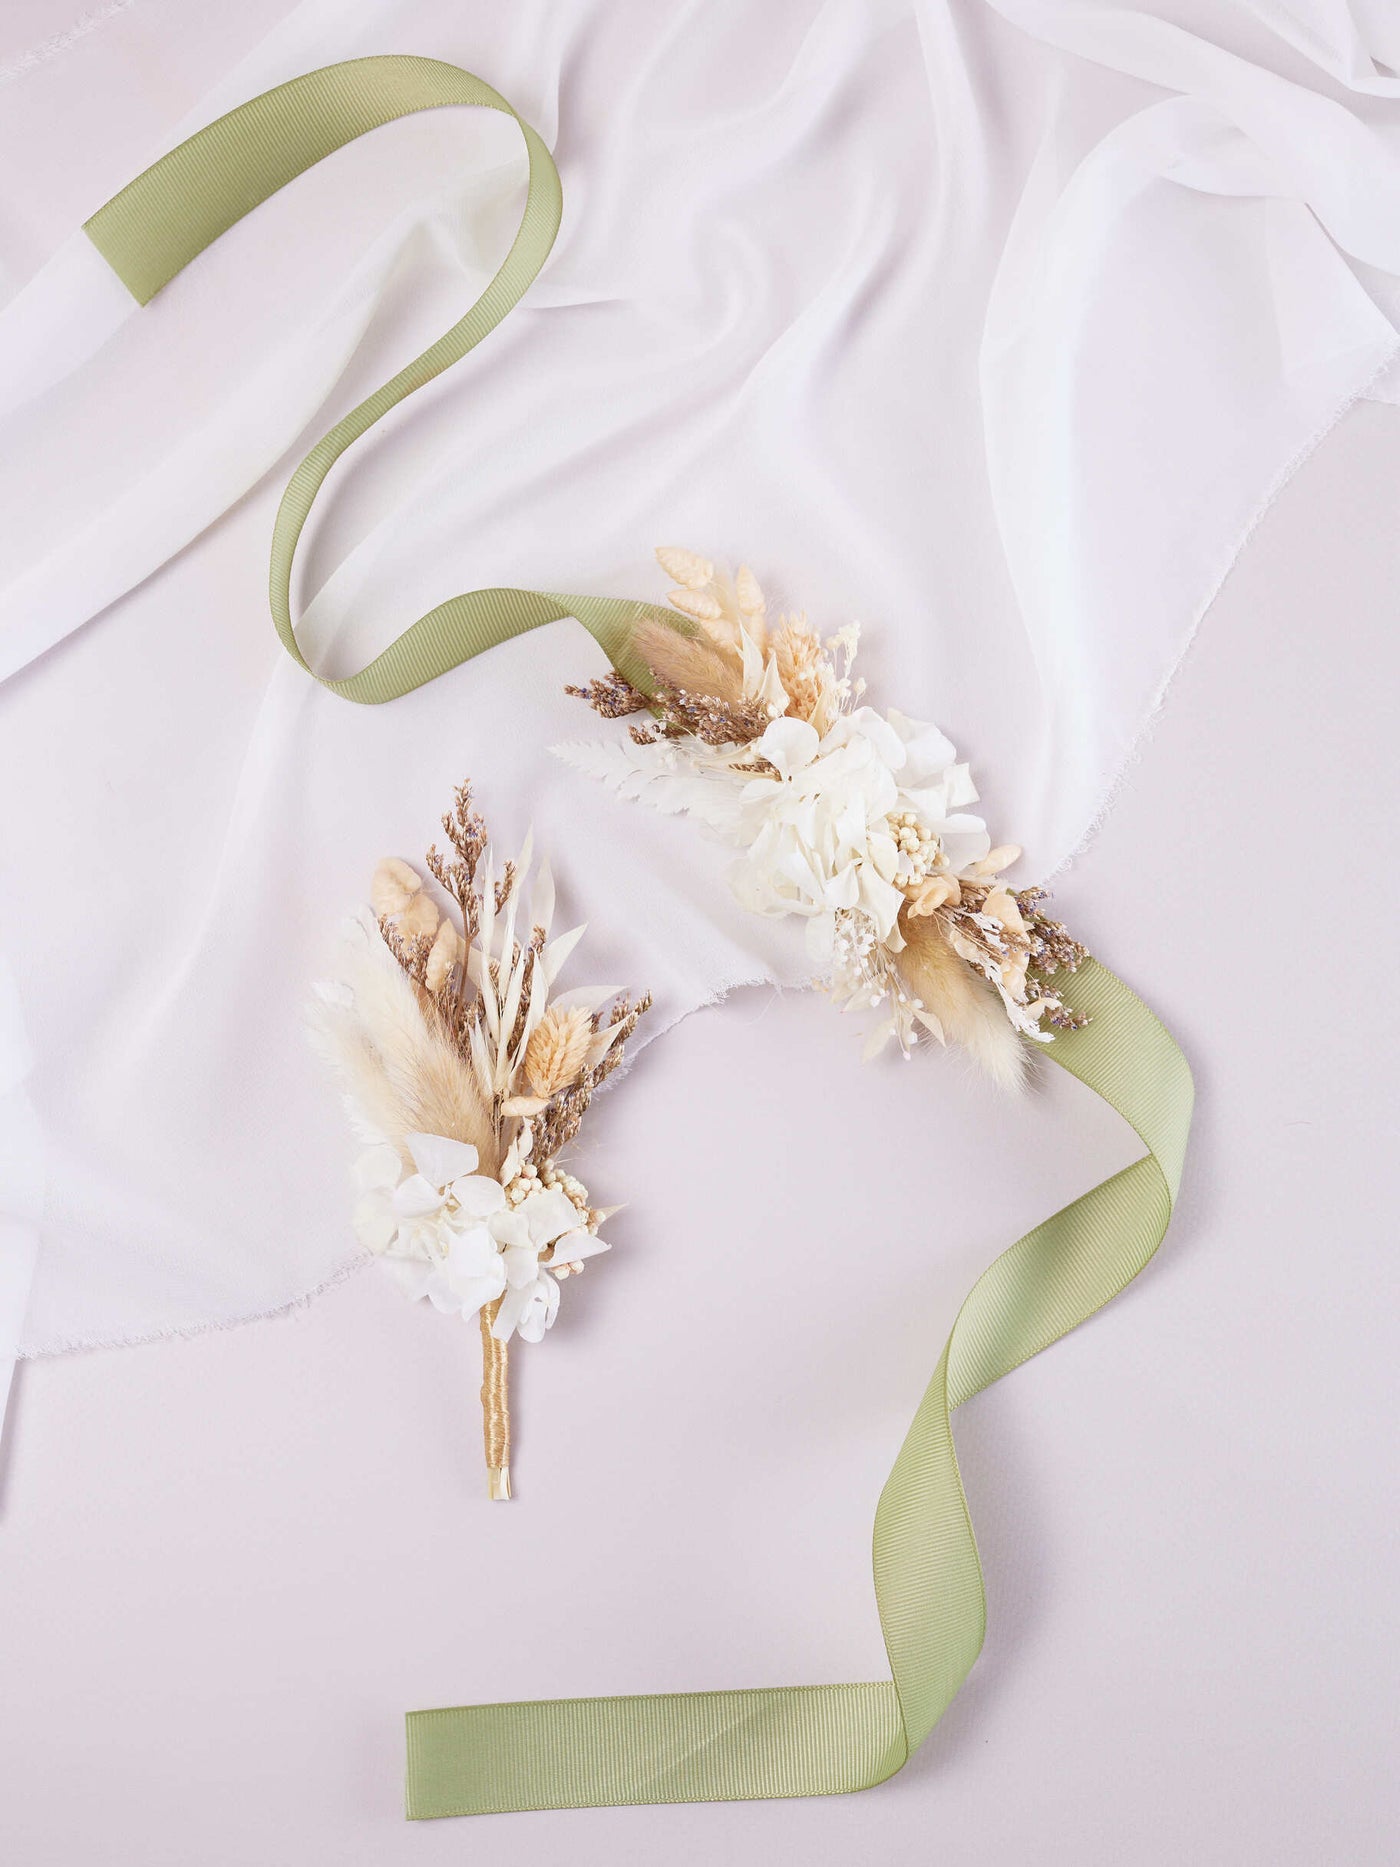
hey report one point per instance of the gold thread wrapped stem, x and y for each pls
(495, 1405)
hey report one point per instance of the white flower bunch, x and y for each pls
(466, 1075)
(854, 820)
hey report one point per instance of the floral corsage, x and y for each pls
(466, 1076)
(854, 819)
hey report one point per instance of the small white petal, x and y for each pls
(574, 1247)
(416, 1197)
(475, 1293)
(441, 1160)
(521, 1266)
(473, 1254)
(789, 744)
(513, 1306)
(548, 1214)
(479, 1196)
(378, 1167)
(509, 1229)
(442, 1296)
(375, 1221)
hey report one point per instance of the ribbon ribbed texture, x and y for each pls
(170, 213)
(820, 1740)
(694, 1746)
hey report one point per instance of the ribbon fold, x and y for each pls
(693, 1746)
(824, 1740)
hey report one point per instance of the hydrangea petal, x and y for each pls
(547, 1214)
(789, 744)
(440, 1159)
(574, 1247)
(521, 1266)
(479, 1196)
(513, 1306)
(417, 1197)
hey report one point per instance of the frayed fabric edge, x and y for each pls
(1131, 758)
(187, 1332)
(77, 1345)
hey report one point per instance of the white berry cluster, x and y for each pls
(531, 1179)
(918, 847)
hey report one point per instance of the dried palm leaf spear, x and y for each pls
(852, 819)
(466, 1076)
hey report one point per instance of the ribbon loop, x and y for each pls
(158, 223)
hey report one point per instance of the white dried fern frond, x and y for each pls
(663, 776)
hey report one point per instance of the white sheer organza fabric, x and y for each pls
(993, 325)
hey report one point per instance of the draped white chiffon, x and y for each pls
(994, 324)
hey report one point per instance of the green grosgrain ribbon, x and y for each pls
(685, 1746)
(821, 1740)
(170, 213)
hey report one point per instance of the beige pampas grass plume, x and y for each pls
(398, 1070)
(966, 1007)
(558, 1050)
(695, 663)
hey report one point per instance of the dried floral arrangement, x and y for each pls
(467, 1076)
(854, 819)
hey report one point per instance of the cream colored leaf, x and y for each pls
(748, 593)
(697, 603)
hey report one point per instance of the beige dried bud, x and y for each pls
(419, 920)
(934, 892)
(394, 885)
(558, 1050)
(697, 603)
(686, 567)
(748, 593)
(446, 951)
(1000, 905)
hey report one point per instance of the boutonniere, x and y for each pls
(855, 820)
(467, 1075)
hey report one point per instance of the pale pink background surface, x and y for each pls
(228, 1565)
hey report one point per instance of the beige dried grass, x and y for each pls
(964, 1004)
